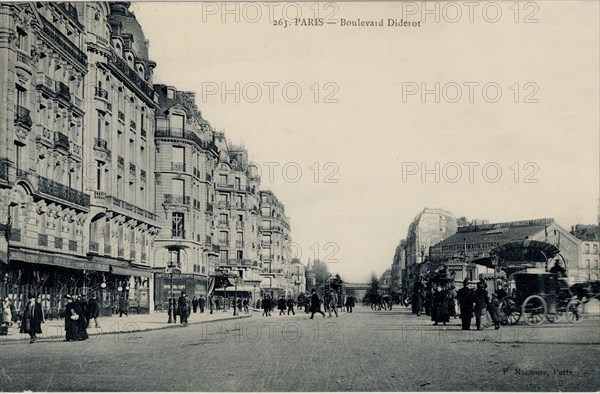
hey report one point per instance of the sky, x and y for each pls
(343, 121)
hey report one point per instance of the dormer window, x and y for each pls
(171, 93)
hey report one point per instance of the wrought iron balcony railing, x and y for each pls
(23, 117)
(177, 199)
(180, 167)
(101, 144)
(93, 247)
(55, 189)
(61, 140)
(101, 93)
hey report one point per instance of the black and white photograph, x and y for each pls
(377, 196)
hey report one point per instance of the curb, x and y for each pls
(19, 337)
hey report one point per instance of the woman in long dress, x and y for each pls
(439, 310)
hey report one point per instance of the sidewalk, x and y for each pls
(55, 329)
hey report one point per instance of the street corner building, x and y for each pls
(115, 186)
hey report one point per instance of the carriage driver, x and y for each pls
(558, 269)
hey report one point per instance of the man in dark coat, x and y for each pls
(182, 307)
(315, 304)
(74, 321)
(93, 310)
(281, 305)
(32, 319)
(266, 305)
(417, 301)
(194, 304)
(201, 304)
(465, 301)
(290, 305)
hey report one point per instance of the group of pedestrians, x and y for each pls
(440, 302)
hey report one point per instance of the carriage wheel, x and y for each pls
(509, 311)
(534, 309)
(575, 311)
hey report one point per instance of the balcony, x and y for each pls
(209, 208)
(121, 116)
(144, 257)
(120, 162)
(42, 240)
(223, 204)
(55, 189)
(196, 204)
(22, 117)
(223, 223)
(223, 242)
(209, 178)
(100, 195)
(121, 252)
(224, 186)
(44, 135)
(132, 168)
(178, 234)
(100, 144)
(101, 93)
(107, 250)
(24, 58)
(58, 243)
(94, 247)
(132, 125)
(109, 107)
(143, 132)
(208, 239)
(143, 175)
(177, 199)
(132, 254)
(44, 82)
(184, 134)
(61, 141)
(59, 39)
(179, 167)
(131, 76)
(73, 246)
(64, 92)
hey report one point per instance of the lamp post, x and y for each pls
(171, 310)
(235, 311)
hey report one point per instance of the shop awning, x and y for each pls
(240, 289)
(525, 250)
(57, 260)
(129, 271)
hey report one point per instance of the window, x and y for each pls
(224, 237)
(224, 255)
(100, 123)
(177, 225)
(240, 256)
(175, 257)
(177, 122)
(595, 248)
(179, 158)
(587, 248)
(99, 171)
(240, 218)
(237, 183)
(223, 179)
(596, 264)
(178, 187)
(587, 263)
(240, 201)
(223, 218)
(19, 155)
(240, 239)
(21, 41)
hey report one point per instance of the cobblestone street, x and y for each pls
(363, 351)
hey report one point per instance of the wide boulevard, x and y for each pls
(362, 351)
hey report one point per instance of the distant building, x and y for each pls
(427, 229)
(589, 254)
(473, 242)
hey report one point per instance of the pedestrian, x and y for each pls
(439, 309)
(351, 303)
(290, 306)
(32, 319)
(93, 310)
(73, 318)
(266, 304)
(452, 302)
(495, 310)
(417, 302)
(332, 305)
(6, 312)
(482, 303)
(281, 305)
(246, 304)
(240, 305)
(123, 306)
(182, 306)
(194, 304)
(465, 302)
(211, 304)
(500, 292)
(201, 304)
(218, 303)
(315, 304)
(429, 298)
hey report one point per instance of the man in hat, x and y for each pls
(465, 301)
(32, 318)
(315, 304)
(182, 306)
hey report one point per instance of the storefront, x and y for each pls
(165, 286)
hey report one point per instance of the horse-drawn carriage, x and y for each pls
(540, 295)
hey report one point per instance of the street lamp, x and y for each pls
(235, 281)
(171, 267)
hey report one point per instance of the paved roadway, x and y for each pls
(363, 351)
